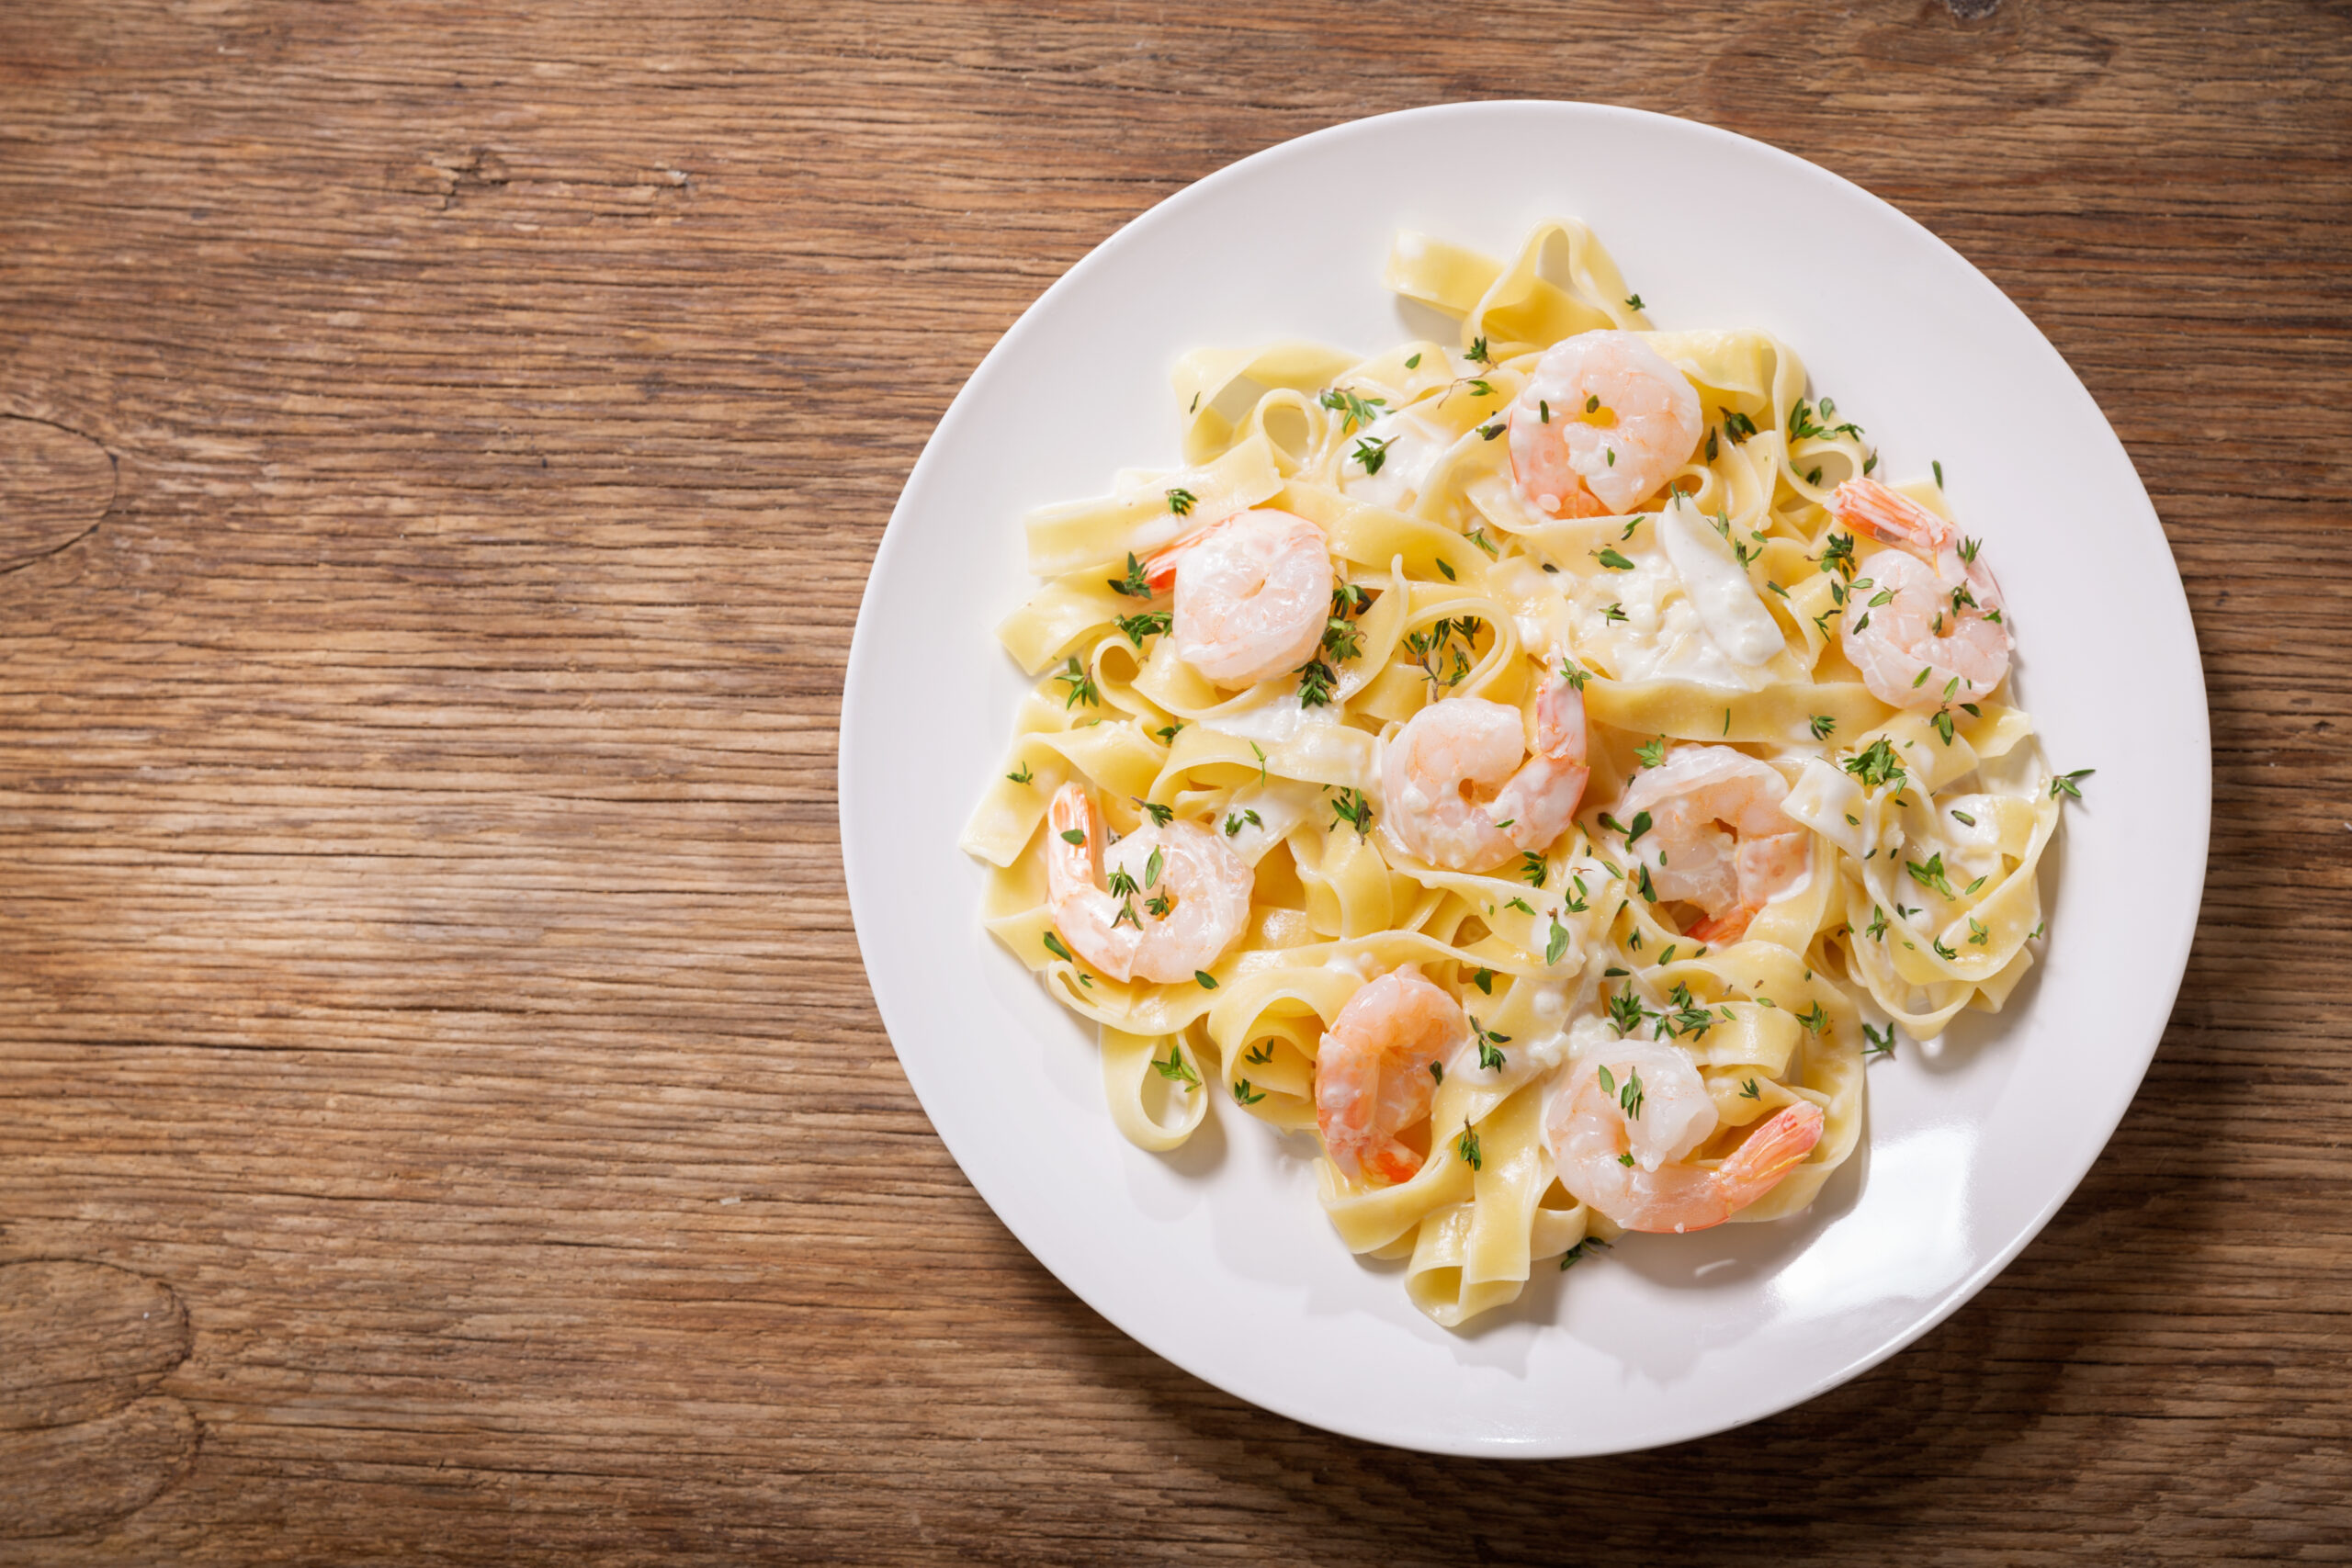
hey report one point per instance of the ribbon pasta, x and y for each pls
(1921, 823)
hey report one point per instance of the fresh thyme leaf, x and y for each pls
(1821, 724)
(1024, 776)
(1930, 874)
(1877, 928)
(1353, 409)
(1641, 825)
(1521, 905)
(1613, 612)
(1559, 942)
(1749, 1091)
(1144, 624)
(1245, 1094)
(1467, 1147)
(1133, 585)
(1153, 867)
(2065, 784)
(1081, 685)
(1353, 808)
(1317, 683)
(1161, 815)
(1181, 501)
(1651, 752)
(1878, 766)
(1612, 561)
(1878, 1046)
(1413, 363)
(1816, 1018)
(1206, 981)
(1531, 868)
(1634, 302)
(1939, 467)
(1478, 354)
(1073, 835)
(1176, 1070)
(1485, 980)
(1491, 1056)
(1580, 1251)
(1372, 453)
(1738, 426)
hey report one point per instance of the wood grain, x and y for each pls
(426, 953)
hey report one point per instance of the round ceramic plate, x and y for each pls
(1217, 1257)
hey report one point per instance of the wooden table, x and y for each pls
(442, 1115)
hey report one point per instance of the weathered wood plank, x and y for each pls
(426, 952)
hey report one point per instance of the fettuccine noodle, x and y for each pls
(1503, 763)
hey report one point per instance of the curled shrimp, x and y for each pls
(1372, 1072)
(1930, 629)
(1625, 1148)
(1601, 423)
(1717, 837)
(1253, 594)
(1177, 897)
(1455, 792)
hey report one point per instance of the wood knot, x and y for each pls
(83, 1438)
(1973, 10)
(55, 484)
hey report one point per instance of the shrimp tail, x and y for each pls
(1890, 517)
(1160, 567)
(1729, 926)
(1079, 861)
(1758, 1164)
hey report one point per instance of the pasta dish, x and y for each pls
(1538, 772)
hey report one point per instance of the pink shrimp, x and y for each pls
(1600, 424)
(1372, 1072)
(1455, 792)
(1178, 898)
(1929, 630)
(1638, 1175)
(1718, 838)
(1253, 594)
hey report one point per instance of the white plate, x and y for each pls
(1217, 1257)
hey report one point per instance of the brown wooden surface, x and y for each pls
(442, 1116)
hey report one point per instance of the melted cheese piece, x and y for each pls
(1727, 602)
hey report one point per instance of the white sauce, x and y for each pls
(1734, 618)
(1414, 447)
(1662, 637)
(1822, 798)
(1279, 719)
(1280, 806)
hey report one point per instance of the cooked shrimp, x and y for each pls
(1253, 594)
(1372, 1072)
(1657, 1110)
(1601, 423)
(1168, 921)
(1455, 792)
(1717, 836)
(1931, 616)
